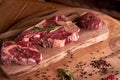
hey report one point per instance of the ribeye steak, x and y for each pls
(19, 53)
(54, 32)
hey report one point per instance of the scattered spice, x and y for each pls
(69, 61)
(104, 70)
(43, 72)
(37, 75)
(119, 57)
(83, 72)
(110, 77)
(71, 57)
(85, 77)
(64, 64)
(81, 75)
(93, 57)
(48, 76)
(112, 71)
(90, 74)
(103, 52)
(105, 56)
(101, 64)
(112, 53)
(97, 50)
(28, 78)
(80, 62)
(95, 72)
(91, 53)
(38, 71)
(77, 66)
(117, 72)
(47, 69)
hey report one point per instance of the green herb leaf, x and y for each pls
(65, 74)
(53, 28)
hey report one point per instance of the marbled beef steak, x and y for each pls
(19, 53)
(54, 32)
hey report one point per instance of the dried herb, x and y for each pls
(53, 28)
(65, 75)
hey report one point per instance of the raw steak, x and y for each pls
(19, 53)
(89, 21)
(54, 32)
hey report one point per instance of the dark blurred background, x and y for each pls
(110, 7)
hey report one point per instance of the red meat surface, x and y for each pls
(66, 32)
(19, 53)
(89, 21)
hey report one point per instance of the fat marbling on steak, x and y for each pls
(54, 32)
(19, 53)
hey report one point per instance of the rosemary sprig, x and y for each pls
(65, 75)
(53, 28)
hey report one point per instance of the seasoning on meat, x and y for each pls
(54, 32)
(19, 53)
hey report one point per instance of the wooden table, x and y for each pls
(85, 55)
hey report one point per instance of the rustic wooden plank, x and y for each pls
(52, 55)
(81, 54)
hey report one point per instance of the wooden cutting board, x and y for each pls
(53, 55)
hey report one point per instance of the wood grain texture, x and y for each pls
(52, 55)
(81, 55)
(13, 11)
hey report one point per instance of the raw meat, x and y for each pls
(54, 32)
(19, 53)
(89, 21)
